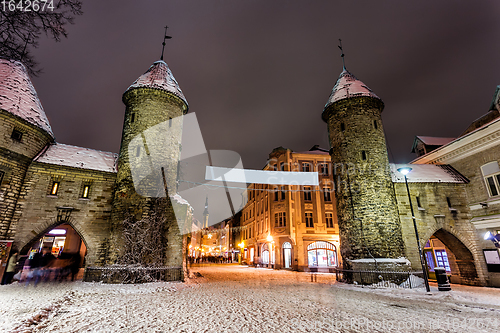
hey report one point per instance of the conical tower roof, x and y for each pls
(348, 86)
(19, 97)
(159, 76)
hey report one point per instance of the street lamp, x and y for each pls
(405, 171)
(494, 238)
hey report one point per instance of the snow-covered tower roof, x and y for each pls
(159, 76)
(348, 86)
(19, 97)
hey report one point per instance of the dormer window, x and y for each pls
(16, 135)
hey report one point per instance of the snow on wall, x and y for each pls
(19, 97)
(159, 76)
(426, 173)
(348, 86)
(78, 157)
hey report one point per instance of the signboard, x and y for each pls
(492, 257)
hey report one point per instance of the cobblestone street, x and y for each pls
(231, 298)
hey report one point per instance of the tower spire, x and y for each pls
(164, 38)
(342, 55)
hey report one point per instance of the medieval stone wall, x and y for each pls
(449, 224)
(362, 179)
(15, 157)
(36, 212)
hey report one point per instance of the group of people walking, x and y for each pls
(44, 266)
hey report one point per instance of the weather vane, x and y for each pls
(164, 39)
(342, 55)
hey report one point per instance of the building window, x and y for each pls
(86, 191)
(54, 188)
(327, 196)
(491, 174)
(16, 135)
(323, 169)
(306, 167)
(309, 220)
(282, 192)
(276, 195)
(419, 205)
(321, 254)
(307, 193)
(329, 220)
(280, 219)
(363, 155)
(282, 166)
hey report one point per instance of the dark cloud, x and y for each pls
(258, 73)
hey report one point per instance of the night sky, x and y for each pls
(258, 73)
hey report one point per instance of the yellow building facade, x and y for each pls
(292, 226)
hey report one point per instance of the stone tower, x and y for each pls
(205, 215)
(25, 133)
(149, 155)
(366, 205)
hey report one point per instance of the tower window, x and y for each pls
(449, 202)
(132, 117)
(170, 122)
(419, 205)
(86, 191)
(342, 127)
(363, 155)
(375, 124)
(54, 188)
(16, 135)
(138, 151)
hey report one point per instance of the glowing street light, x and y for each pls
(494, 238)
(405, 171)
(269, 238)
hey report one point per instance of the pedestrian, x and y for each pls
(47, 261)
(35, 264)
(11, 267)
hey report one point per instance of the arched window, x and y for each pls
(265, 254)
(321, 254)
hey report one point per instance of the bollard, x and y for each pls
(442, 279)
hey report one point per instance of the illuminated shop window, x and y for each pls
(321, 254)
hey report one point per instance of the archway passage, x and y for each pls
(67, 248)
(444, 249)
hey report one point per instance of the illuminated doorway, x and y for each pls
(287, 255)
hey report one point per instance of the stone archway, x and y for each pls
(460, 257)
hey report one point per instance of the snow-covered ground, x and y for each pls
(241, 299)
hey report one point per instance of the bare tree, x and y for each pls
(21, 27)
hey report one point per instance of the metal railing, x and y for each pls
(113, 274)
(381, 279)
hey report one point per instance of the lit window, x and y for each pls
(16, 135)
(309, 220)
(307, 193)
(86, 190)
(329, 220)
(55, 188)
(327, 196)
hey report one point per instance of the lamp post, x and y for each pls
(405, 171)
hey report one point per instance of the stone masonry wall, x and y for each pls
(359, 158)
(15, 157)
(451, 226)
(145, 109)
(36, 211)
